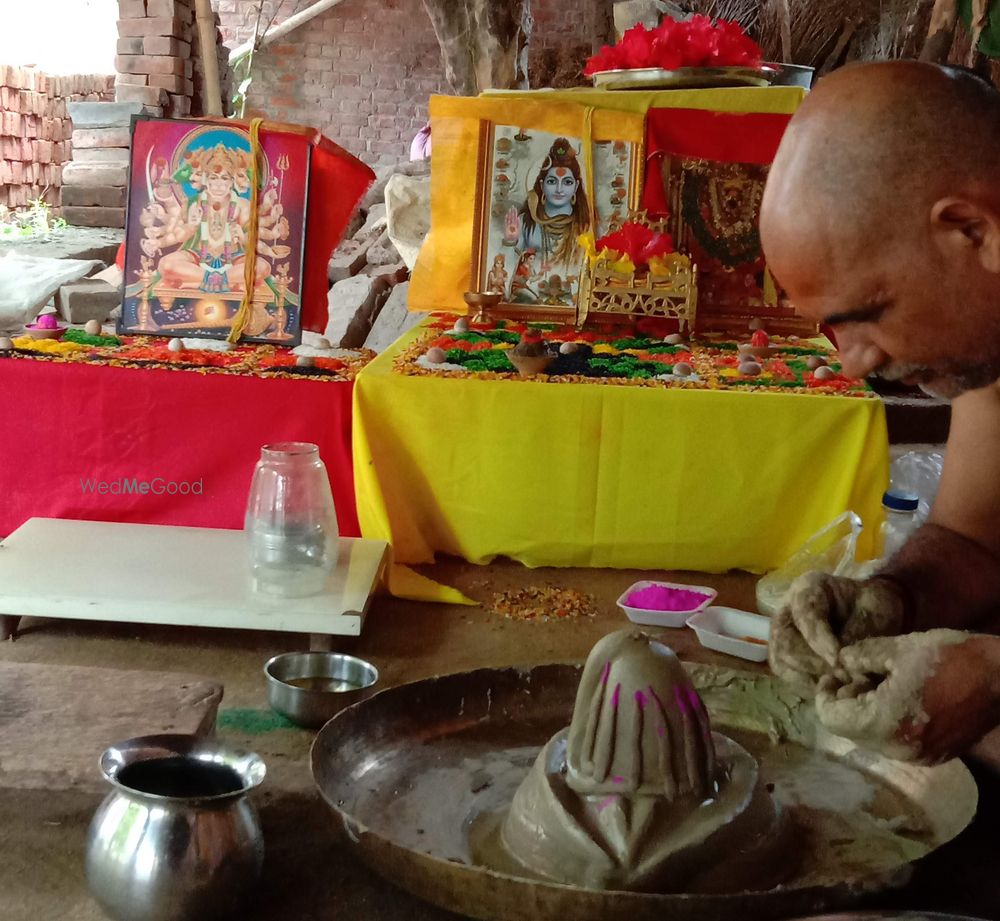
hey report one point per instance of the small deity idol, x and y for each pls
(496, 281)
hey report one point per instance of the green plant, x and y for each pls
(35, 220)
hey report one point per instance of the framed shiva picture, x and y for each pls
(533, 202)
(188, 238)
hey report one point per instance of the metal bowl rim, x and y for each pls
(274, 680)
(358, 831)
(186, 745)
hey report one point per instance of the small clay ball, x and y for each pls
(814, 361)
(750, 369)
(793, 338)
(683, 369)
(92, 327)
(674, 339)
(322, 343)
(437, 355)
(568, 348)
(823, 373)
(6, 345)
(304, 361)
(756, 323)
(462, 325)
(175, 345)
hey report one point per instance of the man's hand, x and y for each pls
(823, 613)
(923, 697)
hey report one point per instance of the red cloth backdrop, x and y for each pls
(63, 423)
(337, 180)
(730, 137)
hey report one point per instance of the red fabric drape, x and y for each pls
(66, 424)
(337, 181)
(725, 136)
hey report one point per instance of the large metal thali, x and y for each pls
(408, 771)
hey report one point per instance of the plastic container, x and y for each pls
(291, 522)
(727, 629)
(902, 518)
(651, 617)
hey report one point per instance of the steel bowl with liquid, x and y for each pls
(312, 687)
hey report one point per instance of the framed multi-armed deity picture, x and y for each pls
(532, 205)
(188, 235)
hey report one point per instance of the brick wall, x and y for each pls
(35, 130)
(159, 57)
(362, 71)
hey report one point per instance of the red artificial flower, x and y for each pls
(629, 240)
(636, 47)
(659, 245)
(696, 42)
(638, 242)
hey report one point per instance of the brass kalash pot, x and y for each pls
(177, 839)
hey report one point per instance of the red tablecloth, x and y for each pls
(65, 429)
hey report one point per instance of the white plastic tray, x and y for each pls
(651, 618)
(720, 629)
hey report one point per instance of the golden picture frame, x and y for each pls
(532, 202)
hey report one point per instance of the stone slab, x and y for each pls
(349, 259)
(94, 217)
(100, 243)
(103, 114)
(147, 95)
(352, 305)
(103, 137)
(150, 64)
(152, 25)
(95, 174)
(101, 155)
(58, 719)
(393, 319)
(161, 44)
(87, 299)
(90, 196)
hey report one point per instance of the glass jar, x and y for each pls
(291, 522)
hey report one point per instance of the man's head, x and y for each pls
(881, 217)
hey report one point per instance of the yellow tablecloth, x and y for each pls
(561, 474)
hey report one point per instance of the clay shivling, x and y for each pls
(638, 793)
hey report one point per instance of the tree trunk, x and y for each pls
(942, 31)
(604, 24)
(484, 43)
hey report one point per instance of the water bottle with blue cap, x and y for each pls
(901, 519)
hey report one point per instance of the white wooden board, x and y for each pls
(157, 574)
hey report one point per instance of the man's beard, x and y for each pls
(945, 382)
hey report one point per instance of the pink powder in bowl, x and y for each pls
(661, 598)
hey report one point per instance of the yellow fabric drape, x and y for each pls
(443, 272)
(608, 476)
(250, 256)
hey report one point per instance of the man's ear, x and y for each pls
(959, 225)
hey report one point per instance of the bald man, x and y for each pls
(881, 218)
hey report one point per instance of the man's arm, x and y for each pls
(950, 569)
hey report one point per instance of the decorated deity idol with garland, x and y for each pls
(554, 214)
